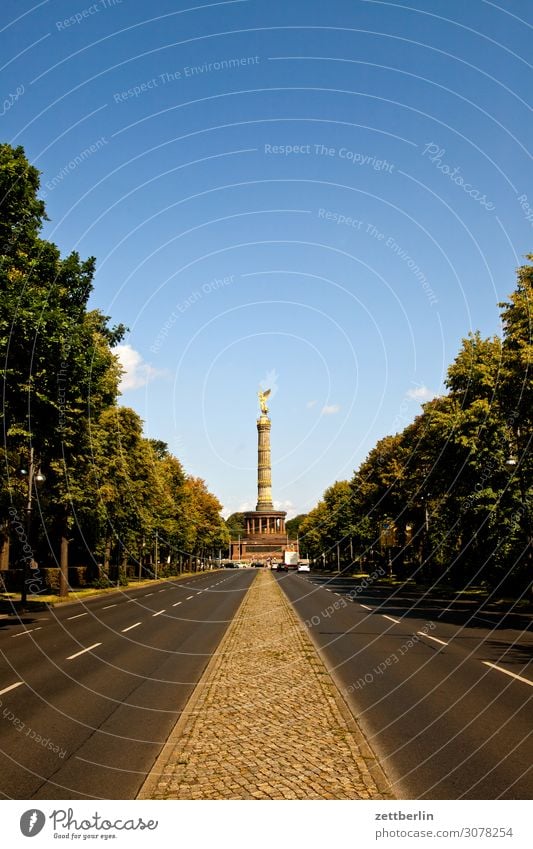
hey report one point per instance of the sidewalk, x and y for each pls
(266, 720)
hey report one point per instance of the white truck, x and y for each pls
(290, 559)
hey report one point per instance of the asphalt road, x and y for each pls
(103, 683)
(444, 723)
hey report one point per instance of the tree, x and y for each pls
(293, 525)
(58, 368)
(313, 532)
(516, 398)
(209, 529)
(107, 487)
(235, 525)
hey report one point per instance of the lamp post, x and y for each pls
(34, 476)
(515, 463)
(156, 553)
(425, 532)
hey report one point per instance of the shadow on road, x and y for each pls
(419, 603)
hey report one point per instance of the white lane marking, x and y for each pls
(90, 648)
(162, 591)
(130, 601)
(159, 612)
(391, 619)
(77, 616)
(365, 606)
(108, 606)
(175, 605)
(130, 627)
(199, 592)
(435, 639)
(29, 631)
(188, 597)
(148, 595)
(506, 672)
(11, 687)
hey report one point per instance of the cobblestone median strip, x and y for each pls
(266, 721)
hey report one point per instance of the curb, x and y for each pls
(377, 772)
(151, 781)
(103, 593)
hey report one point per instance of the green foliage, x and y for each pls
(293, 525)
(110, 493)
(456, 484)
(235, 525)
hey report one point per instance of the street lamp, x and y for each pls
(156, 552)
(425, 532)
(34, 476)
(515, 462)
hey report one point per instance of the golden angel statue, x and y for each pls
(262, 400)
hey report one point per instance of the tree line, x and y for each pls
(449, 498)
(81, 484)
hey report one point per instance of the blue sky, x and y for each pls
(323, 198)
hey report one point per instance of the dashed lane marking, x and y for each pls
(83, 651)
(78, 615)
(365, 606)
(175, 605)
(506, 672)
(29, 631)
(188, 597)
(391, 619)
(11, 687)
(129, 628)
(159, 612)
(435, 639)
(109, 606)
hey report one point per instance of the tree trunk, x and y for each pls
(63, 565)
(122, 572)
(107, 555)
(4, 553)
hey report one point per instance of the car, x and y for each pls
(283, 567)
(304, 567)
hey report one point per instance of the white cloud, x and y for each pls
(420, 393)
(245, 506)
(330, 409)
(311, 404)
(288, 506)
(136, 372)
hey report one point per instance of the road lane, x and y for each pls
(110, 709)
(445, 725)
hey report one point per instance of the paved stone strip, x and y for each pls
(266, 721)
